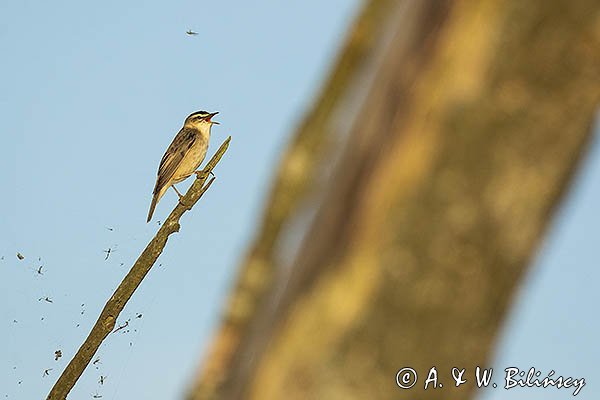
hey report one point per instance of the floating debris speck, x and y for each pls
(125, 325)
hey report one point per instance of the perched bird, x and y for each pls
(184, 155)
(191, 32)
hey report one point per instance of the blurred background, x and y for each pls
(92, 94)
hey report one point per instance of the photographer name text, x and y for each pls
(407, 378)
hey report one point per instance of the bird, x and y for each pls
(191, 32)
(184, 155)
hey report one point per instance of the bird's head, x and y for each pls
(201, 120)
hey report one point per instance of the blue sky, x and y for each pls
(91, 96)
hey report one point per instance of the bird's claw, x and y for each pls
(201, 174)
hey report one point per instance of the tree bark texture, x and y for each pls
(406, 210)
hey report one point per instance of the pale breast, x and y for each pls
(192, 160)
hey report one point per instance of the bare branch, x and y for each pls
(107, 319)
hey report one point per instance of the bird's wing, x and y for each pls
(173, 156)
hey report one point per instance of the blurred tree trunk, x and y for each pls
(411, 200)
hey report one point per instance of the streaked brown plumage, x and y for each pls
(184, 155)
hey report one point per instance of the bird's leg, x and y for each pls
(180, 197)
(177, 191)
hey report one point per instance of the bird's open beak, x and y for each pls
(210, 116)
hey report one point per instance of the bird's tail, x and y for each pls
(152, 206)
(156, 195)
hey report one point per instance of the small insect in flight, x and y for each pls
(191, 32)
(108, 252)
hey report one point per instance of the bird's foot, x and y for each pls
(202, 174)
(183, 203)
(180, 197)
